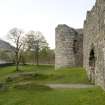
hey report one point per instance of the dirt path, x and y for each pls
(65, 86)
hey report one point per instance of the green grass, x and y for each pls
(8, 70)
(47, 74)
(69, 75)
(93, 96)
(32, 91)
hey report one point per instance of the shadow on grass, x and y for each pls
(32, 86)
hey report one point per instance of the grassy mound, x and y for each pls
(26, 76)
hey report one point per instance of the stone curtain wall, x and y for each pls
(94, 38)
(69, 47)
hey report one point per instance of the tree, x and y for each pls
(16, 37)
(47, 56)
(36, 42)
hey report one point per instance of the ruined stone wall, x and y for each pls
(79, 48)
(75, 47)
(94, 39)
(69, 47)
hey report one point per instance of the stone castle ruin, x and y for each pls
(69, 47)
(84, 47)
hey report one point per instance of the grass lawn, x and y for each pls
(93, 96)
(35, 94)
(47, 74)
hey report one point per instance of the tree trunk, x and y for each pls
(17, 66)
(34, 56)
(17, 62)
(37, 55)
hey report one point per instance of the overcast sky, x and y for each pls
(42, 15)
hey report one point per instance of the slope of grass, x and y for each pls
(8, 70)
(47, 74)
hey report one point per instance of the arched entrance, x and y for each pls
(92, 65)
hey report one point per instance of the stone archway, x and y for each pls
(92, 65)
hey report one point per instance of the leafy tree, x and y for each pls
(36, 42)
(16, 37)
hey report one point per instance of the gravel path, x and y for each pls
(65, 86)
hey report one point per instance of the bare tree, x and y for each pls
(16, 37)
(36, 42)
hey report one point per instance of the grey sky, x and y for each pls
(42, 15)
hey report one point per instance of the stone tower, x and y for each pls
(69, 45)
